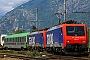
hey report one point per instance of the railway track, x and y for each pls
(42, 57)
(47, 58)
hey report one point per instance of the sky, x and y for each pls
(8, 5)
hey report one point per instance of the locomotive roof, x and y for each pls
(73, 24)
(37, 32)
(17, 35)
(55, 27)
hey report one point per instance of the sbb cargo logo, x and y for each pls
(49, 38)
(31, 40)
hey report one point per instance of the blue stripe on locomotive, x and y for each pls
(36, 38)
(56, 35)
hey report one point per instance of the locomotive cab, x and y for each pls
(75, 39)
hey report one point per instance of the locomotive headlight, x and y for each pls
(83, 41)
(68, 41)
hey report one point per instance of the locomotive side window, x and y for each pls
(75, 30)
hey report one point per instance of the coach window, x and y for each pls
(11, 40)
(19, 39)
(22, 39)
(7, 39)
(16, 39)
(4, 40)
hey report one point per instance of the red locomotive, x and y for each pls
(68, 38)
(75, 38)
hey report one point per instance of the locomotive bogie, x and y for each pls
(76, 49)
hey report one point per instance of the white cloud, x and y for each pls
(8, 5)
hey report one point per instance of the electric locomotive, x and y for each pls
(75, 40)
(36, 40)
(54, 40)
(68, 38)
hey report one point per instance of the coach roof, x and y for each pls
(17, 35)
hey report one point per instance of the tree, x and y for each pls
(18, 30)
(33, 28)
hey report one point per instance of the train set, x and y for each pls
(66, 38)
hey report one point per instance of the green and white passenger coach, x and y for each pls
(16, 41)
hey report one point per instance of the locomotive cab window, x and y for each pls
(75, 30)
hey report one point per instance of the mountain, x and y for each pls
(24, 16)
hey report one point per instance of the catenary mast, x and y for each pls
(64, 10)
